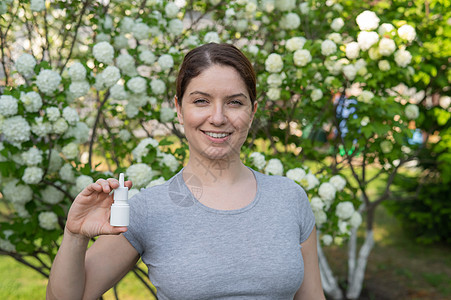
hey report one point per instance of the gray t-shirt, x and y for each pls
(197, 252)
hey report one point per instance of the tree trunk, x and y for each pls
(357, 274)
(329, 283)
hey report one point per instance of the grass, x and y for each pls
(17, 282)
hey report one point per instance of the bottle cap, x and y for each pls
(120, 210)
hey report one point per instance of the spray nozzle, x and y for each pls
(121, 180)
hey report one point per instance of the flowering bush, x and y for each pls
(97, 99)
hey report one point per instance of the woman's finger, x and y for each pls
(105, 185)
(113, 182)
(128, 184)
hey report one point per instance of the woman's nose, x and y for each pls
(218, 116)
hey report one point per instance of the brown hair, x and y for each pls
(200, 58)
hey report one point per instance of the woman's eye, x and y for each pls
(200, 101)
(236, 102)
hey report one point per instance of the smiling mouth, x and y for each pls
(217, 135)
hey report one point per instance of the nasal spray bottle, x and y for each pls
(120, 210)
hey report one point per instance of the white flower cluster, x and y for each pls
(403, 58)
(118, 92)
(386, 46)
(142, 149)
(295, 43)
(70, 151)
(66, 173)
(412, 111)
(147, 57)
(48, 220)
(352, 50)
(5, 244)
(166, 114)
(55, 161)
(175, 27)
(366, 39)
(37, 5)
(70, 115)
(141, 31)
(367, 20)
(25, 65)
(328, 47)
(158, 86)
(170, 161)
(32, 101)
(77, 72)
(52, 195)
(385, 28)
(273, 93)
(285, 5)
(165, 62)
(8, 105)
(82, 182)
(274, 63)
(16, 130)
(140, 174)
(107, 77)
(137, 85)
(79, 88)
(316, 95)
(386, 146)
(347, 213)
(211, 37)
(302, 57)
(48, 81)
(41, 128)
(258, 160)
(158, 181)
(32, 175)
(274, 167)
(17, 193)
(290, 21)
(366, 96)
(338, 182)
(32, 157)
(126, 63)
(407, 33)
(337, 24)
(171, 10)
(384, 65)
(103, 52)
(296, 174)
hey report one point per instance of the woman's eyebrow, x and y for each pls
(200, 93)
(236, 95)
(227, 97)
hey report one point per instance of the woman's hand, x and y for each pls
(89, 215)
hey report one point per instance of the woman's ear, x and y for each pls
(254, 110)
(179, 110)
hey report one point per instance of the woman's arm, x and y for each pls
(80, 274)
(311, 286)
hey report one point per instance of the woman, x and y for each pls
(217, 229)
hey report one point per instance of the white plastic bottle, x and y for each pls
(120, 210)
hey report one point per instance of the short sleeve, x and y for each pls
(138, 215)
(306, 216)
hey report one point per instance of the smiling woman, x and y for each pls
(217, 229)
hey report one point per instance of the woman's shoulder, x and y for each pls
(273, 180)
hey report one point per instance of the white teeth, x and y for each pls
(217, 135)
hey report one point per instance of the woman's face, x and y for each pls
(216, 113)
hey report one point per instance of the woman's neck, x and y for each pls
(216, 171)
